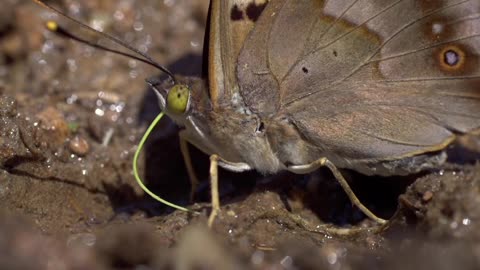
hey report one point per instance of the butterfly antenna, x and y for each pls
(54, 27)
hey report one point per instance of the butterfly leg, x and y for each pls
(214, 189)
(216, 161)
(324, 162)
(188, 164)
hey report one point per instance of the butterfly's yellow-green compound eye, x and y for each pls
(177, 99)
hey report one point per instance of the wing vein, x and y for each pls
(473, 77)
(358, 26)
(403, 28)
(386, 139)
(337, 19)
(376, 51)
(406, 26)
(438, 44)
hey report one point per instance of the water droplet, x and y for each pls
(99, 112)
(87, 239)
(138, 26)
(132, 63)
(133, 74)
(454, 225)
(72, 65)
(287, 262)
(120, 106)
(114, 117)
(143, 48)
(72, 99)
(98, 24)
(47, 46)
(194, 43)
(257, 257)
(332, 257)
(124, 154)
(74, 8)
(169, 3)
(119, 15)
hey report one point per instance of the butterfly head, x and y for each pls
(181, 99)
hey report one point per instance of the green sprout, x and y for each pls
(73, 127)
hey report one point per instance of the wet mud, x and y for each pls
(71, 118)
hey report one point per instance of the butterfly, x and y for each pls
(379, 87)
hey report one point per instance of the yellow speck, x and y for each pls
(52, 26)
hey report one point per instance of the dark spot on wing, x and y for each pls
(305, 70)
(335, 53)
(236, 14)
(254, 11)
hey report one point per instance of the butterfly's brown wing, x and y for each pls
(366, 79)
(230, 23)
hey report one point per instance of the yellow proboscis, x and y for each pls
(135, 169)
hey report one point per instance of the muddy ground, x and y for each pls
(71, 118)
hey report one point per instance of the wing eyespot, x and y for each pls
(452, 59)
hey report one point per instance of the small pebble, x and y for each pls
(8, 106)
(54, 124)
(79, 146)
(427, 196)
(85, 239)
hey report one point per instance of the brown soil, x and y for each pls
(70, 121)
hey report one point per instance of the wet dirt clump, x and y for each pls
(70, 121)
(445, 204)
